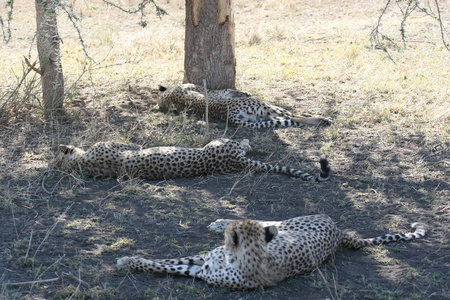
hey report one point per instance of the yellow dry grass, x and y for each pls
(283, 44)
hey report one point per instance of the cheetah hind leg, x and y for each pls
(356, 243)
(151, 266)
(309, 119)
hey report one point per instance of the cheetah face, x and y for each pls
(164, 97)
(67, 152)
(66, 155)
(246, 145)
(248, 234)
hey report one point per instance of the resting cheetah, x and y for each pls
(109, 159)
(264, 253)
(238, 108)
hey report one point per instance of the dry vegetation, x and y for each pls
(388, 148)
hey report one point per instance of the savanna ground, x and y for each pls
(388, 147)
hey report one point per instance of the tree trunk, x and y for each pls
(49, 57)
(209, 44)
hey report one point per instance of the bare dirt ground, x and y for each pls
(388, 148)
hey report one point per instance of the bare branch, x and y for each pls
(32, 66)
(206, 137)
(73, 18)
(441, 26)
(140, 9)
(377, 37)
(62, 276)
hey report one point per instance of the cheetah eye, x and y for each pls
(68, 151)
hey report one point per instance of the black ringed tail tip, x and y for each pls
(324, 169)
(161, 88)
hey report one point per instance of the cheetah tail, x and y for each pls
(259, 166)
(324, 169)
(162, 88)
(352, 242)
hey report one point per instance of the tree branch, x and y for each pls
(441, 26)
(32, 66)
(206, 137)
(62, 276)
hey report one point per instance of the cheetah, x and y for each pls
(257, 253)
(222, 156)
(232, 106)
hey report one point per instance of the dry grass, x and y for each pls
(335, 55)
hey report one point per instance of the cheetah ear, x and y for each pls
(235, 238)
(231, 238)
(162, 88)
(271, 232)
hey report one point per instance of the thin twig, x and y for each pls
(411, 6)
(206, 137)
(327, 285)
(441, 26)
(14, 221)
(32, 282)
(140, 8)
(21, 81)
(375, 31)
(32, 66)
(50, 230)
(29, 244)
(248, 173)
(62, 276)
(43, 185)
(69, 275)
(73, 18)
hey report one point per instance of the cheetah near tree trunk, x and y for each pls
(232, 106)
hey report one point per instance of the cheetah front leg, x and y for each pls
(151, 266)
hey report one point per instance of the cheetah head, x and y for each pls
(246, 145)
(163, 99)
(248, 234)
(246, 248)
(66, 156)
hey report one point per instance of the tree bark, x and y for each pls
(209, 44)
(49, 57)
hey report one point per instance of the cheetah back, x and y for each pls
(108, 159)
